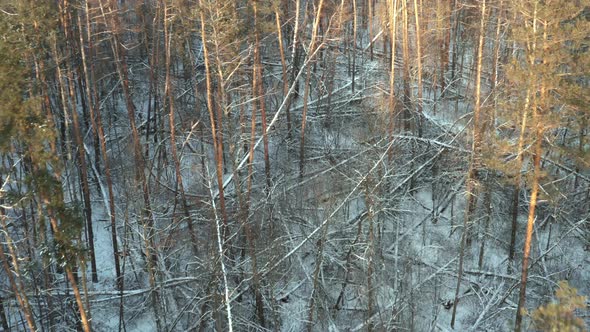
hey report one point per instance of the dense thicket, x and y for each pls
(294, 164)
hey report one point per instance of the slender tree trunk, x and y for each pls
(538, 104)
(370, 252)
(354, 37)
(295, 54)
(83, 316)
(515, 199)
(370, 23)
(444, 49)
(474, 165)
(84, 179)
(419, 62)
(248, 234)
(458, 14)
(310, 53)
(406, 68)
(170, 96)
(318, 267)
(252, 144)
(259, 94)
(487, 202)
(96, 121)
(18, 289)
(348, 267)
(332, 66)
(219, 254)
(153, 107)
(517, 184)
(392, 101)
(283, 66)
(494, 78)
(479, 124)
(581, 145)
(85, 289)
(214, 130)
(529, 228)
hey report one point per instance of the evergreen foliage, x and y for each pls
(559, 315)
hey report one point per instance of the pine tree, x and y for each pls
(559, 315)
(548, 33)
(27, 134)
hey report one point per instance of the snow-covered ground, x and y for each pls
(417, 206)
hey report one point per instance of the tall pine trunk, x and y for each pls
(96, 121)
(171, 118)
(475, 164)
(310, 53)
(391, 100)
